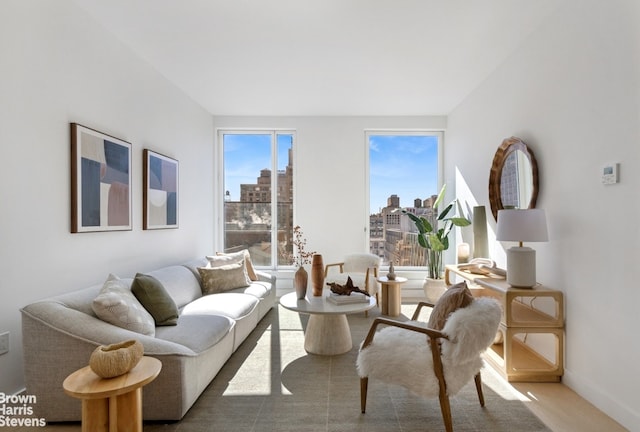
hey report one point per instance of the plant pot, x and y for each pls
(300, 280)
(433, 289)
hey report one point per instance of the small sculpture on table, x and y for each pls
(346, 289)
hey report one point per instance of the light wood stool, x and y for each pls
(113, 404)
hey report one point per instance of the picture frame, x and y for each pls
(100, 181)
(160, 191)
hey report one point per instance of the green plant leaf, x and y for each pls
(435, 242)
(440, 196)
(460, 221)
(445, 212)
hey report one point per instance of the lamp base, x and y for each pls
(521, 267)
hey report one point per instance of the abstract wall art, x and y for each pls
(160, 191)
(100, 181)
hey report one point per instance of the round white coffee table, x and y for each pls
(328, 330)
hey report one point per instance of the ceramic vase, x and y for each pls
(317, 274)
(392, 273)
(300, 279)
(480, 240)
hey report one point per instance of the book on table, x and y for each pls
(354, 297)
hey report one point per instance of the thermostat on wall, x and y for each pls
(610, 174)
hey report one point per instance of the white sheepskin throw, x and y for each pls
(403, 357)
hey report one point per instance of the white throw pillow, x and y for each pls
(117, 305)
(223, 260)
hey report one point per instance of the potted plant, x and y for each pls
(435, 238)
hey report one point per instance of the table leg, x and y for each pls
(95, 415)
(384, 306)
(327, 335)
(394, 300)
(128, 412)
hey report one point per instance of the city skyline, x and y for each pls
(402, 165)
(405, 165)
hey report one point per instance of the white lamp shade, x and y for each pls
(522, 225)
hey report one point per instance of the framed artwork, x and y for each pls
(100, 181)
(160, 191)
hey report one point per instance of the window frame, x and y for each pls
(439, 133)
(219, 229)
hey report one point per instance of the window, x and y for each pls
(254, 198)
(403, 173)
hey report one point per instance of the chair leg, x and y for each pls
(364, 382)
(445, 407)
(478, 380)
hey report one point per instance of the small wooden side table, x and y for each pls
(113, 404)
(391, 296)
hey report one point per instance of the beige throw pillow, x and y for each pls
(455, 297)
(223, 278)
(117, 305)
(247, 261)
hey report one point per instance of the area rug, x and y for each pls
(271, 384)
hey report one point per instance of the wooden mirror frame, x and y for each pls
(508, 146)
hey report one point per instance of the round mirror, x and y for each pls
(513, 181)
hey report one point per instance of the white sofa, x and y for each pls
(60, 333)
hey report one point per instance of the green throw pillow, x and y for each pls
(155, 299)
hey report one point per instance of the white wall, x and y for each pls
(572, 92)
(330, 175)
(58, 66)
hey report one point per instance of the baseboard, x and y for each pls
(625, 415)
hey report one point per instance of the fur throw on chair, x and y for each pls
(403, 357)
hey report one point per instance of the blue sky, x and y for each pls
(246, 155)
(405, 165)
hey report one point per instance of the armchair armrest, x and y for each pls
(326, 268)
(421, 304)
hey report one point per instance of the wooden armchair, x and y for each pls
(439, 364)
(362, 268)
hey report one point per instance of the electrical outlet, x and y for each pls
(4, 343)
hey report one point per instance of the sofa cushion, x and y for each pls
(232, 305)
(150, 292)
(116, 305)
(258, 289)
(182, 283)
(197, 332)
(223, 278)
(247, 260)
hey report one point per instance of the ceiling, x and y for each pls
(323, 57)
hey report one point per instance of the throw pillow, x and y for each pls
(247, 261)
(223, 278)
(455, 297)
(116, 305)
(155, 299)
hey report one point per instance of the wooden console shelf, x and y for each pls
(536, 313)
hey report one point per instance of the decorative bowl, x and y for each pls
(109, 361)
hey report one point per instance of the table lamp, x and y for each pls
(525, 225)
